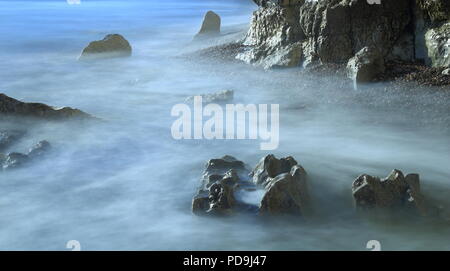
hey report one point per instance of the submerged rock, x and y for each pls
(9, 137)
(287, 193)
(15, 160)
(210, 26)
(218, 97)
(112, 46)
(365, 66)
(10, 107)
(394, 191)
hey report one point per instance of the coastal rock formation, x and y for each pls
(282, 180)
(10, 107)
(365, 65)
(15, 160)
(287, 193)
(112, 46)
(394, 191)
(210, 26)
(220, 97)
(221, 178)
(289, 33)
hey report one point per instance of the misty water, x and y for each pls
(126, 184)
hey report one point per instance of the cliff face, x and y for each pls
(289, 33)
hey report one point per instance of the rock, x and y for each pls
(210, 26)
(15, 160)
(10, 107)
(287, 193)
(436, 10)
(40, 149)
(446, 72)
(221, 97)
(270, 167)
(7, 138)
(365, 66)
(220, 180)
(395, 191)
(437, 41)
(112, 46)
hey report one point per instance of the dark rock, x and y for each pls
(270, 167)
(394, 191)
(112, 46)
(7, 138)
(210, 26)
(15, 160)
(287, 193)
(10, 107)
(40, 149)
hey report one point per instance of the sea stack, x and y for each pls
(112, 46)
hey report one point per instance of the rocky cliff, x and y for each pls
(286, 33)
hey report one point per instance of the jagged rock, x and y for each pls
(39, 149)
(437, 41)
(7, 138)
(14, 108)
(365, 65)
(210, 26)
(112, 46)
(395, 191)
(287, 193)
(218, 97)
(220, 180)
(15, 160)
(270, 167)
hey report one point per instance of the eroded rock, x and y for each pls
(287, 193)
(394, 191)
(111, 46)
(270, 167)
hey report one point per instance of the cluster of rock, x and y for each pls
(10, 107)
(224, 180)
(284, 183)
(111, 46)
(302, 32)
(15, 160)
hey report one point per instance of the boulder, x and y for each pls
(40, 149)
(365, 66)
(392, 192)
(286, 193)
(210, 26)
(10, 107)
(437, 40)
(112, 46)
(221, 97)
(220, 180)
(15, 160)
(270, 167)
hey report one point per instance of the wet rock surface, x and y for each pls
(365, 66)
(226, 179)
(10, 107)
(111, 46)
(393, 192)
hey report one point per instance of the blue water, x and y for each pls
(126, 184)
